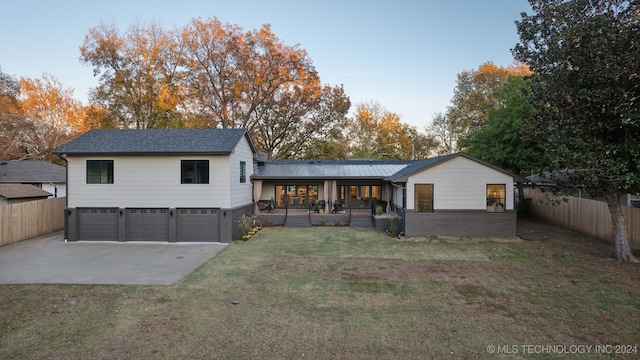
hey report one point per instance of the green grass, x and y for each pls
(339, 293)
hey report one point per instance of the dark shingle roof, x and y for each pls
(156, 141)
(421, 165)
(415, 167)
(20, 191)
(328, 169)
(31, 171)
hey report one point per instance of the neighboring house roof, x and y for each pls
(31, 171)
(156, 142)
(327, 169)
(421, 165)
(21, 191)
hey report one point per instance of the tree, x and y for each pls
(375, 132)
(585, 59)
(474, 92)
(502, 141)
(443, 131)
(52, 117)
(252, 80)
(139, 73)
(11, 119)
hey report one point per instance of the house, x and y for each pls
(170, 185)
(17, 193)
(455, 195)
(41, 174)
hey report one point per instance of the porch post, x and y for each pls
(326, 196)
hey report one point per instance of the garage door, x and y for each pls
(98, 224)
(197, 225)
(147, 225)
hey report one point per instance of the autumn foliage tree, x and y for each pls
(37, 116)
(212, 74)
(11, 119)
(374, 132)
(52, 117)
(474, 94)
(253, 80)
(139, 74)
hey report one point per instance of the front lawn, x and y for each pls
(340, 293)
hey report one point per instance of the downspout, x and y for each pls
(66, 197)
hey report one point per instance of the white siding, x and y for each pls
(241, 193)
(149, 181)
(52, 187)
(460, 184)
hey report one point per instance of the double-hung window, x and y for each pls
(194, 171)
(99, 171)
(423, 198)
(496, 196)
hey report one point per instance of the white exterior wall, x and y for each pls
(150, 181)
(241, 193)
(460, 184)
(51, 187)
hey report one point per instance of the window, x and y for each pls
(243, 172)
(423, 198)
(99, 171)
(496, 197)
(194, 172)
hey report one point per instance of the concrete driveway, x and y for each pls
(49, 260)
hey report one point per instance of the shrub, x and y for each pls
(379, 210)
(247, 226)
(394, 221)
(525, 208)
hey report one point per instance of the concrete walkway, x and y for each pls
(49, 260)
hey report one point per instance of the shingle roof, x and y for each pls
(31, 171)
(19, 191)
(421, 165)
(328, 169)
(416, 166)
(156, 141)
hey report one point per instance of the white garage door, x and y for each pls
(147, 225)
(198, 225)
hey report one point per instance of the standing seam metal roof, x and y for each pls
(328, 169)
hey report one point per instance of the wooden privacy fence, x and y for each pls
(30, 219)
(586, 216)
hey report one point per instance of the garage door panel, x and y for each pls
(198, 225)
(147, 225)
(98, 224)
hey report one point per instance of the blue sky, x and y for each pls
(403, 54)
